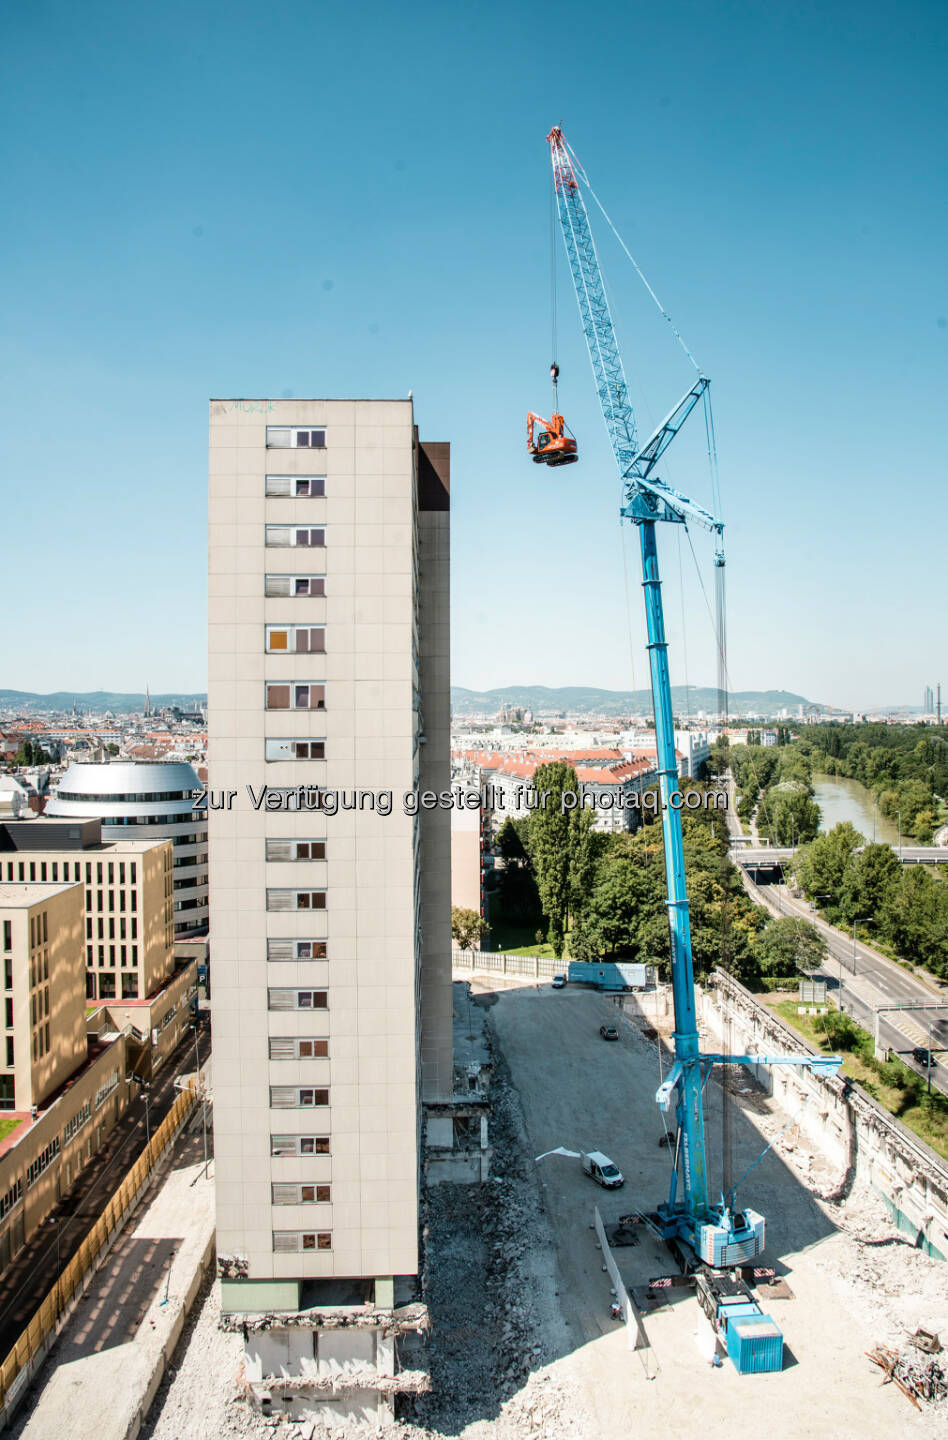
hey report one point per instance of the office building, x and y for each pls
(43, 991)
(127, 916)
(328, 670)
(147, 800)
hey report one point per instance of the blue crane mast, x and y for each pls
(719, 1234)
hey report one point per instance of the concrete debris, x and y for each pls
(406, 1382)
(397, 1322)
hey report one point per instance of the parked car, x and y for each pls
(608, 1032)
(601, 1169)
(559, 982)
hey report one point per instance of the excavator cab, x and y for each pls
(548, 441)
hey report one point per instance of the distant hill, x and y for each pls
(95, 701)
(587, 700)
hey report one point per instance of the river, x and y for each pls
(842, 799)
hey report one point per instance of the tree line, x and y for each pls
(904, 766)
(603, 896)
(852, 881)
(775, 784)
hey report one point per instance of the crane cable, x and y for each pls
(554, 367)
(635, 265)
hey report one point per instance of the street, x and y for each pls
(34, 1269)
(871, 980)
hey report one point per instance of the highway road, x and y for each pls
(33, 1270)
(867, 980)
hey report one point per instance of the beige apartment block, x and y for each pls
(42, 1159)
(128, 929)
(43, 991)
(330, 911)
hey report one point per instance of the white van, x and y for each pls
(601, 1169)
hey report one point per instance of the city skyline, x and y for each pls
(780, 201)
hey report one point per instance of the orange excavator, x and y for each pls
(552, 444)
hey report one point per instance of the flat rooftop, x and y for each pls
(15, 896)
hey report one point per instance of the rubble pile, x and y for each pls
(918, 1376)
(495, 1321)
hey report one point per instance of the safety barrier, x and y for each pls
(489, 962)
(34, 1341)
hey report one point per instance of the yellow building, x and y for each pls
(41, 947)
(128, 894)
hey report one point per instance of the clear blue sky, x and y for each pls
(233, 199)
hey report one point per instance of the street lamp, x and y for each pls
(863, 919)
(144, 1088)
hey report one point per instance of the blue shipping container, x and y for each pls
(755, 1345)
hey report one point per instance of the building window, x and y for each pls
(299, 1144)
(297, 999)
(109, 1084)
(106, 987)
(129, 987)
(289, 437)
(75, 1124)
(42, 1162)
(297, 950)
(295, 849)
(294, 585)
(13, 1196)
(295, 750)
(300, 1194)
(296, 697)
(296, 899)
(295, 639)
(10, 1052)
(295, 535)
(291, 1047)
(8, 934)
(300, 487)
(297, 1097)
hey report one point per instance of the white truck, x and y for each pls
(601, 1169)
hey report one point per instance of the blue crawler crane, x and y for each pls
(720, 1235)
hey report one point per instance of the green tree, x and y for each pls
(467, 928)
(561, 847)
(869, 877)
(787, 814)
(788, 945)
(820, 866)
(508, 843)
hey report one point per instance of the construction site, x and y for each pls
(520, 1334)
(549, 1204)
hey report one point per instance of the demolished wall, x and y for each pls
(859, 1139)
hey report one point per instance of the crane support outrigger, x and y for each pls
(719, 1234)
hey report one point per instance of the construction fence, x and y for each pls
(487, 962)
(35, 1340)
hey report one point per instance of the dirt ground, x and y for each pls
(523, 1344)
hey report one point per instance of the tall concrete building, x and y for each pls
(330, 903)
